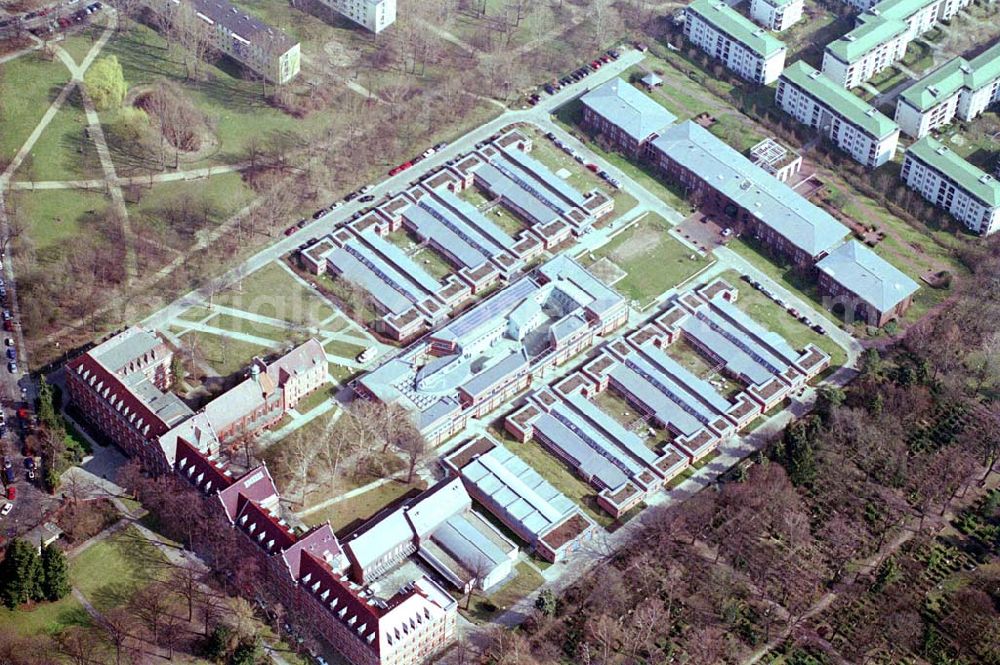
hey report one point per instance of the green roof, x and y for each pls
(985, 68)
(900, 10)
(931, 90)
(870, 33)
(728, 20)
(847, 104)
(779, 3)
(977, 182)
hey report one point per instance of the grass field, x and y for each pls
(44, 618)
(343, 349)
(432, 262)
(62, 152)
(554, 471)
(79, 42)
(246, 326)
(32, 84)
(362, 506)
(525, 581)
(274, 293)
(343, 373)
(223, 354)
(213, 200)
(57, 216)
(653, 259)
(111, 571)
(318, 397)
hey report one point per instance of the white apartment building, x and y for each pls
(857, 128)
(961, 87)
(265, 50)
(881, 36)
(776, 15)
(746, 49)
(374, 15)
(949, 182)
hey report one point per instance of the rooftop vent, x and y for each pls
(871, 112)
(933, 89)
(815, 74)
(849, 37)
(986, 179)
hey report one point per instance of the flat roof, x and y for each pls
(738, 27)
(473, 218)
(542, 174)
(699, 389)
(431, 223)
(630, 109)
(589, 450)
(867, 275)
(519, 193)
(630, 376)
(801, 223)
(854, 109)
(972, 179)
(871, 32)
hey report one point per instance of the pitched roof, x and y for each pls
(634, 112)
(985, 68)
(842, 101)
(320, 542)
(774, 203)
(973, 180)
(726, 19)
(255, 485)
(246, 26)
(867, 275)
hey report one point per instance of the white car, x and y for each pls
(7, 507)
(727, 232)
(367, 354)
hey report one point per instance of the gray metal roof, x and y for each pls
(737, 357)
(868, 276)
(246, 26)
(430, 223)
(632, 377)
(128, 345)
(488, 312)
(382, 284)
(517, 491)
(496, 373)
(631, 110)
(623, 438)
(466, 543)
(564, 269)
(567, 326)
(775, 345)
(590, 451)
(500, 184)
(774, 203)
(398, 258)
(697, 388)
(526, 165)
(475, 219)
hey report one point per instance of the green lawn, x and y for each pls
(57, 216)
(272, 292)
(362, 506)
(211, 200)
(343, 373)
(554, 471)
(654, 261)
(433, 263)
(32, 84)
(79, 43)
(195, 314)
(887, 78)
(225, 355)
(525, 581)
(919, 56)
(246, 326)
(111, 571)
(774, 318)
(318, 397)
(62, 152)
(44, 618)
(343, 349)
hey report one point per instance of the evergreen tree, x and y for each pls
(48, 409)
(249, 652)
(798, 456)
(219, 643)
(828, 398)
(20, 574)
(55, 573)
(547, 603)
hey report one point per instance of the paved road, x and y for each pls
(538, 115)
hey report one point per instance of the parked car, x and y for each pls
(7, 507)
(367, 198)
(367, 354)
(6, 462)
(9, 476)
(290, 230)
(319, 213)
(11, 354)
(592, 167)
(441, 146)
(11, 493)
(9, 341)
(12, 367)
(820, 329)
(726, 232)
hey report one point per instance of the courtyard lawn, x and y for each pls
(195, 314)
(111, 571)
(223, 354)
(362, 506)
(321, 396)
(432, 262)
(554, 471)
(653, 260)
(56, 216)
(32, 84)
(62, 151)
(79, 42)
(273, 292)
(343, 373)
(343, 349)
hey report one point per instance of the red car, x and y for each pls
(402, 167)
(290, 230)
(592, 167)
(11, 493)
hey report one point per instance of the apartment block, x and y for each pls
(776, 15)
(723, 181)
(373, 15)
(746, 49)
(624, 115)
(856, 127)
(864, 285)
(963, 88)
(881, 36)
(951, 183)
(265, 50)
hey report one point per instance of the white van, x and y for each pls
(367, 354)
